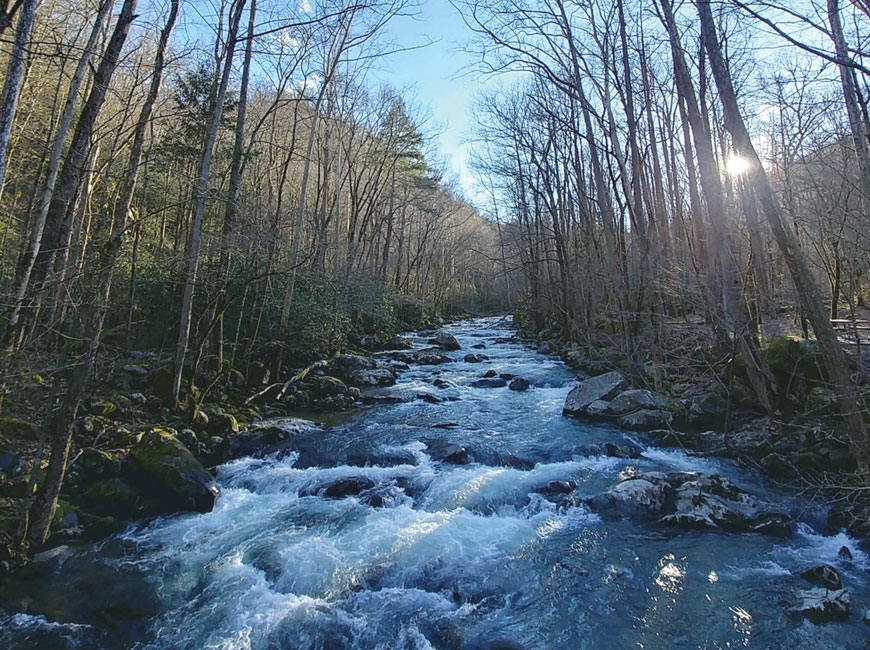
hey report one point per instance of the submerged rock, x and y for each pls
(490, 382)
(602, 387)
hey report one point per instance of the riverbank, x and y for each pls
(704, 404)
(451, 510)
(135, 458)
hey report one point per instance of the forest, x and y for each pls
(218, 184)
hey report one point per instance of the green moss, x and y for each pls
(789, 358)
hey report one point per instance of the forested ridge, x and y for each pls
(216, 196)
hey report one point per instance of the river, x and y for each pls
(434, 554)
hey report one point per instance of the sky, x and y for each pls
(436, 81)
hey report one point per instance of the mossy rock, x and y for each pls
(222, 424)
(113, 497)
(101, 407)
(789, 357)
(258, 374)
(161, 381)
(178, 480)
(13, 429)
(821, 401)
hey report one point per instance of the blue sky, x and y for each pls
(435, 80)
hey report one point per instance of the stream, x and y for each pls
(461, 553)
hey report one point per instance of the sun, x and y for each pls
(736, 165)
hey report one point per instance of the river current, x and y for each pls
(439, 555)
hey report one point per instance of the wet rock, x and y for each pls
(823, 575)
(429, 398)
(822, 605)
(479, 346)
(642, 496)
(489, 374)
(265, 438)
(362, 371)
(475, 358)
(53, 558)
(445, 341)
(557, 487)
(177, 478)
(598, 409)
(629, 401)
(844, 553)
(519, 384)
(622, 450)
(645, 419)
(493, 382)
(369, 400)
(424, 357)
(602, 387)
(544, 348)
(712, 501)
(690, 500)
(341, 488)
(443, 383)
(448, 452)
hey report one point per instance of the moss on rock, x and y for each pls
(169, 468)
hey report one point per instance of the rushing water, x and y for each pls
(445, 556)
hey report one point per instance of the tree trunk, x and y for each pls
(68, 181)
(808, 293)
(235, 190)
(12, 85)
(59, 424)
(194, 240)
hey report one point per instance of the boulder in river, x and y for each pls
(519, 384)
(691, 500)
(168, 467)
(823, 575)
(822, 605)
(629, 401)
(265, 438)
(602, 387)
(445, 341)
(646, 420)
(474, 358)
(357, 370)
